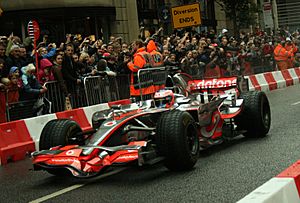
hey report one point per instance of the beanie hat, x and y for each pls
(13, 69)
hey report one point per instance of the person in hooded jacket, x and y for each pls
(141, 59)
(156, 55)
(45, 71)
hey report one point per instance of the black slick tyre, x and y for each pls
(177, 140)
(255, 117)
(58, 132)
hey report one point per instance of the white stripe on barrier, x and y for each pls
(90, 110)
(262, 82)
(35, 126)
(294, 76)
(276, 190)
(281, 82)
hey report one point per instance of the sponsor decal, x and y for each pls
(110, 123)
(65, 160)
(126, 157)
(215, 83)
(70, 152)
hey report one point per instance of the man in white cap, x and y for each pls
(13, 58)
(281, 55)
(289, 45)
(224, 33)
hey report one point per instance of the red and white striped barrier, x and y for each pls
(274, 80)
(284, 188)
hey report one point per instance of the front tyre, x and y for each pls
(177, 140)
(59, 132)
(256, 115)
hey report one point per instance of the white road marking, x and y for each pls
(74, 187)
(295, 103)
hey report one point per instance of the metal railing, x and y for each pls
(94, 90)
(151, 77)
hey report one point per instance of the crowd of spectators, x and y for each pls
(205, 54)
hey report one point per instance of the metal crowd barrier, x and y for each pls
(123, 86)
(56, 96)
(151, 78)
(97, 90)
(20, 110)
(262, 65)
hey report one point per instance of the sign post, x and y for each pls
(34, 34)
(267, 13)
(186, 16)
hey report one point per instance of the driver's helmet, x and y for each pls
(164, 98)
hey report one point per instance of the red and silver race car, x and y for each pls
(172, 128)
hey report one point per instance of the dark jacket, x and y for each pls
(70, 72)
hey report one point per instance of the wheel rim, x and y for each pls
(192, 140)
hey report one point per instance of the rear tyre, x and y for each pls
(256, 115)
(177, 140)
(59, 132)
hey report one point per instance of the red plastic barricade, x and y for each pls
(2, 107)
(292, 172)
(15, 141)
(77, 115)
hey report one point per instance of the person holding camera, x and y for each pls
(47, 52)
(85, 45)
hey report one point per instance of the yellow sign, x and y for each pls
(186, 16)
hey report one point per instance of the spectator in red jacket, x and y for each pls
(45, 71)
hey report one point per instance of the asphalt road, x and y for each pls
(225, 173)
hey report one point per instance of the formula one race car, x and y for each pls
(171, 128)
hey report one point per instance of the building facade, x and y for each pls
(288, 14)
(96, 17)
(60, 17)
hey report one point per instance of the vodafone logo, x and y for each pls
(215, 83)
(70, 152)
